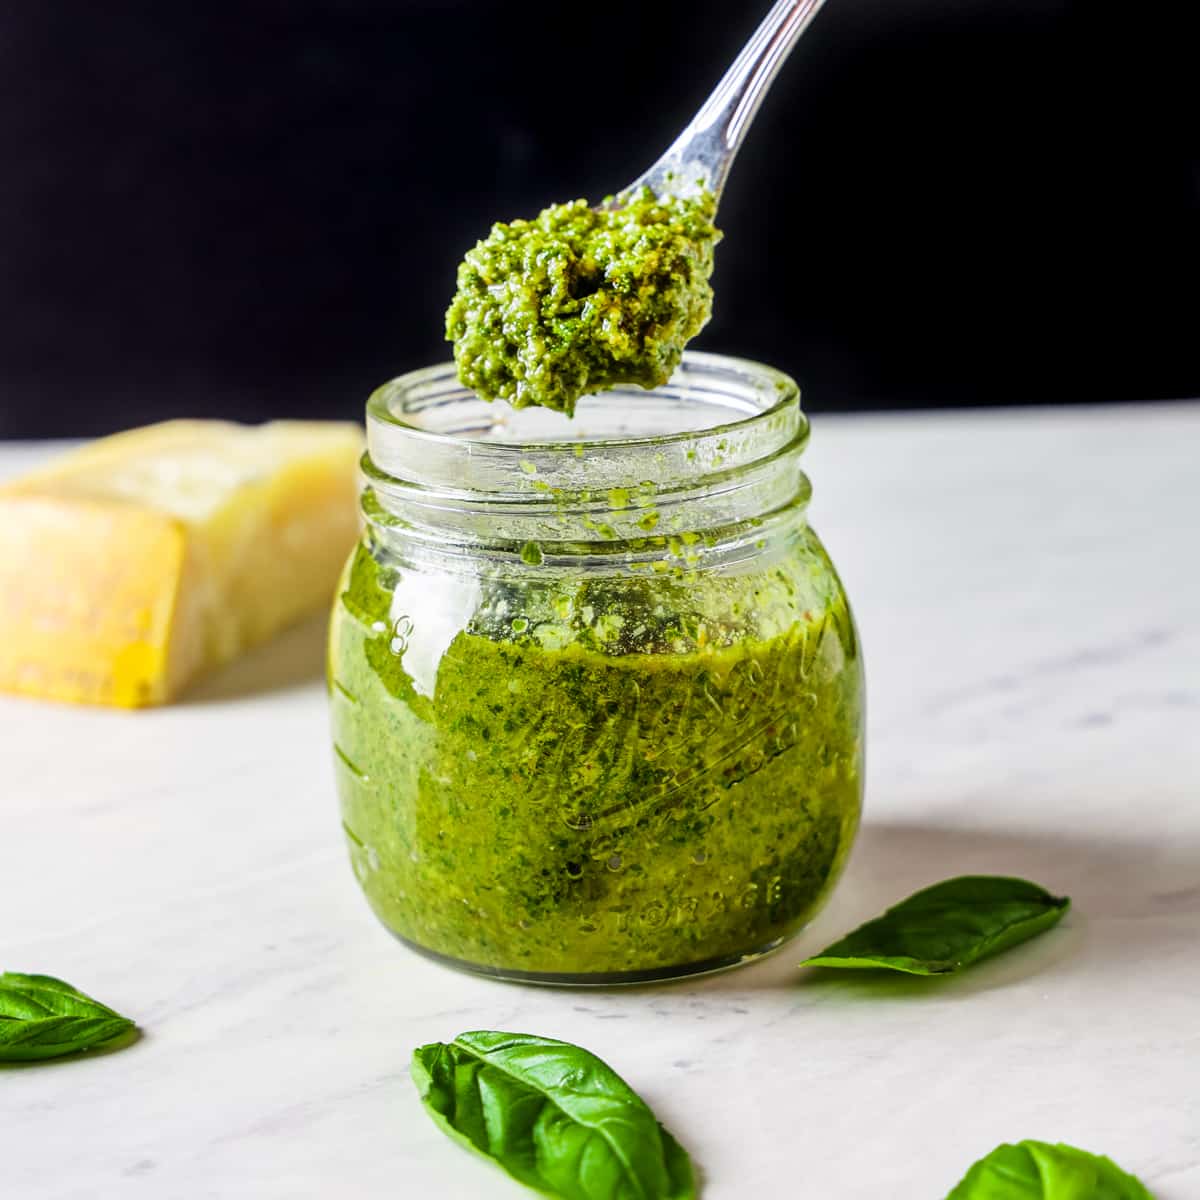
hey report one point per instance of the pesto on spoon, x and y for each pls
(582, 299)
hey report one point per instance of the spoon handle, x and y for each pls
(705, 150)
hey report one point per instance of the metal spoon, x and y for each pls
(700, 157)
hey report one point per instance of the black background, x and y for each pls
(254, 209)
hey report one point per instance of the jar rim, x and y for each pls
(427, 429)
(379, 405)
(717, 444)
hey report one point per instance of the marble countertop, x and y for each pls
(1028, 590)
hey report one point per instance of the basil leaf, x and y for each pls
(948, 926)
(42, 1017)
(1040, 1171)
(553, 1116)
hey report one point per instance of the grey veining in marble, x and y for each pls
(1028, 588)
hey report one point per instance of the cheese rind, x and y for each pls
(132, 565)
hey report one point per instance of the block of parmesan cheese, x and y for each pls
(132, 565)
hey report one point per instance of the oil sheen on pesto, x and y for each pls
(599, 777)
(578, 299)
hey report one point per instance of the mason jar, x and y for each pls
(597, 696)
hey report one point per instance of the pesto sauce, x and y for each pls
(564, 805)
(578, 299)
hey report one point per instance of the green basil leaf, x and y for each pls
(1040, 1171)
(553, 1116)
(948, 926)
(42, 1017)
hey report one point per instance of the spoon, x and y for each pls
(700, 157)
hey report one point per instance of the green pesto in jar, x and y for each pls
(607, 779)
(578, 299)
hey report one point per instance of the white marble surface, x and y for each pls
(1028, 588)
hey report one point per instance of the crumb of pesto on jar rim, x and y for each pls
(582, 299)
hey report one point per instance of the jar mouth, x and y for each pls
(715, 445)
(426, 427)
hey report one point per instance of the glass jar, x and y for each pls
(597, 695)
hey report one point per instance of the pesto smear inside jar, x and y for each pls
(583, 299)
(597, 779)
